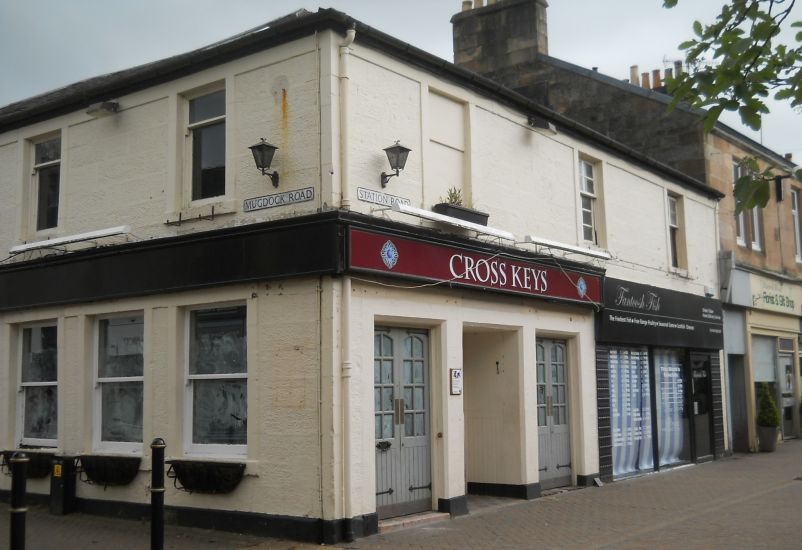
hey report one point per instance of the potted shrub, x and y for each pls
(451, 205)
(768, 420)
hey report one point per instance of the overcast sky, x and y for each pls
(45, 44)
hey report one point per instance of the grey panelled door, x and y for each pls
(554, 437)
(401, 404)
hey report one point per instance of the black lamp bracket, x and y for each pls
(385, 177)
(273, 176)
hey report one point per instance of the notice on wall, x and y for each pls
(630, 410)
(456, 381)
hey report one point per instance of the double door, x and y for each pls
(401, 416)
(554, 437)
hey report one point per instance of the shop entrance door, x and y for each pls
(554, 438)
(401, 414)
(786, 403)
(701, 402)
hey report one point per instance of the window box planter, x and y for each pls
(39, 465)
(197, 476)
(462, 212)
(109, 470)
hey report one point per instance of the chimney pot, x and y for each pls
(677, 68)
(656, 82)
(789, 156)
(480, 3)
(467, 5)
(633, 75)
(669, 74)
(644, 80)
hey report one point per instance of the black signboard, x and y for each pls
(648, 315)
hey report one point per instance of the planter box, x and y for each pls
(39, 465)
(461, 212)
(110, 470)
(196, 476)
(767, 439)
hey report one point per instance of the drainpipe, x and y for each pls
(345, 398)
(345, 90)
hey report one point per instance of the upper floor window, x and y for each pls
(38, 386)
(119, 391)
(676, 232)
(207, 128)
(740, 217)
(217, 382)
(589, 196)
(797, 220)
(47, 176)
(756, 224)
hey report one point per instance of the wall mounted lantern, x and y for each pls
(397, 155)
(263, 155)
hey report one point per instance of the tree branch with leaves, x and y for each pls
(735, 64)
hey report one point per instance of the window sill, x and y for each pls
(207, 209)
(679, 272)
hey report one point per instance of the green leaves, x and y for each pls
(736, 64)
(753, 188)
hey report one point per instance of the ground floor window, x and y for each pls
(217, 381)
(119, 388)
(39, 385)
(650, 391)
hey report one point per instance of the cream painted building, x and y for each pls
(391, 359)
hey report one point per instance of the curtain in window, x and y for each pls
(672, 421)
(630, 410)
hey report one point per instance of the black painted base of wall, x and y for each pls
(265, 525)
(528, 492)
(456, 506)
(586, 480)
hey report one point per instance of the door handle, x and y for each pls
(399, 411)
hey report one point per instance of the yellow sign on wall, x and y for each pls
(56, 470)
(775, 295)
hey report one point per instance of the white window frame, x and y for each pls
(588, 190)
(36, 184)
(131, 447)
(795, 214)
(208, 449)
(757, 239)
(740, 217)
(675, 240)
(34, 441)
(189, 128)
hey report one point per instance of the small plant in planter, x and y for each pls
(452, 205)
(768, 420)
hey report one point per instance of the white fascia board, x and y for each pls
(435, 217)
(78, 237)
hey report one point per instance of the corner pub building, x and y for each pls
(319, 345)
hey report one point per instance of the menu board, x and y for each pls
(630, 410)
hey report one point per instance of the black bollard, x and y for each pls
(157, 495)
(19, 463)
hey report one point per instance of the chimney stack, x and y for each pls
(656, 82)
(500, 38)
(633, 75)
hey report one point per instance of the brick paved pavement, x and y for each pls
(748, 501)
